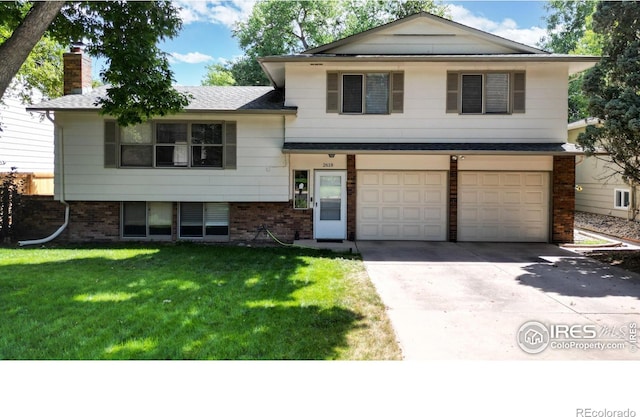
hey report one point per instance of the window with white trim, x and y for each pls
(147, 219)
(171, 144)
(204, 221)
(621, 199)
(485, 92)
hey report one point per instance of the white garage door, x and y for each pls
(402, 205)
(503, 206)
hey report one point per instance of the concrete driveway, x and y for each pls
(471, 300)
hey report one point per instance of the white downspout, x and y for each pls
(60, 149)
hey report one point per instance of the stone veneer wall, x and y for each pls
(563, 198)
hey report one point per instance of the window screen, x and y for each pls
(352, 94)
(377, 100)
(472, 94)
(497, 93)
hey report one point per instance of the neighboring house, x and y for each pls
(421, 129)
(26, 144)
(601, 191)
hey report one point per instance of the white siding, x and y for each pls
(262, 173)
(598, 188)
(416, 37)
(424, 118)
(26, 141)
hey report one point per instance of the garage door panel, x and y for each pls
(512, 180)
(489, 197)
(369, 179)
(434, 197)
(412, 179)
(534, 197)
(390, 196)
(503, 206)
(489, 180)
(512, 197)
(391, 178)
(390, 214)
(369, 196)
(411, 214)
(407, 205)
(435, 214)
(411, 196)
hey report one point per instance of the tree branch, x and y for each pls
(15, 50)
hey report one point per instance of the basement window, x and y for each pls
(621, 199)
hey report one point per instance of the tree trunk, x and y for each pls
(15, 50)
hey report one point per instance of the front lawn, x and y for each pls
(189, 302)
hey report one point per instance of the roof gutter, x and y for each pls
(60, 148)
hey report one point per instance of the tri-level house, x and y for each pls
(421, 129)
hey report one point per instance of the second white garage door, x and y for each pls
(401, 205)
(503, 206)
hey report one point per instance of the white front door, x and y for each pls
(330, 205)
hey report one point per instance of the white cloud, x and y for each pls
(508, 28)
(225, 12)
(189, 58)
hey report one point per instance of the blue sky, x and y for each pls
(206, 37)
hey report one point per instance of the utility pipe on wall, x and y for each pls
(60, 149)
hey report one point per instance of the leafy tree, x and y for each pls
(217, 74)
(42, 69)
(278, 27)
(125, 33)
(569, 31)
(613, 87)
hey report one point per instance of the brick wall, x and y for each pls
(453, 200)
(563, 196)
(246, 219)
(38, 217)
(93, 221)
(351, 197)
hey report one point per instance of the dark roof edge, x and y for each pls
(291, 110)
(434, 148)
(433, 58)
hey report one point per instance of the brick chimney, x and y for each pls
(77, 71)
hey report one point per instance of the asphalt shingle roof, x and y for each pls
(204, 98)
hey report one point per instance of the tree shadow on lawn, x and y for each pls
(173, 302)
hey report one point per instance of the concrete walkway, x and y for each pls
(469, 300)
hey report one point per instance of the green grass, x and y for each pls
(189, 302)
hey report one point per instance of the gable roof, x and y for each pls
(422, 37)
(427, 20)
(204, 98)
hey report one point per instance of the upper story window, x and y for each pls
(485, 92)
(171, 144)
(365, 92)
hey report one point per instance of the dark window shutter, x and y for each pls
(230, 145)
(452, 92)
(397, 92)
(472, 94)
(519, 86)
(332, 92)
(110, 144)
